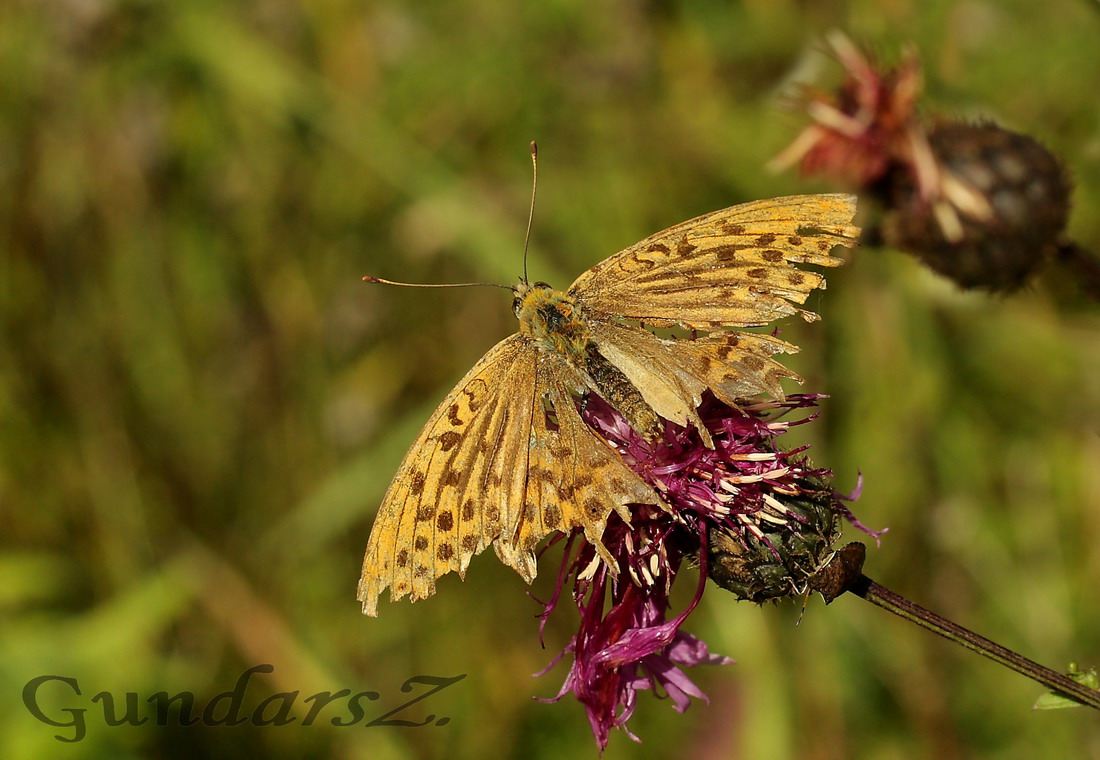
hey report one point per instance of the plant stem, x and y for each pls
(881, 596)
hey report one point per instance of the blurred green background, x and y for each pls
(202, 404)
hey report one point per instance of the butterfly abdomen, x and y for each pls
(615, 388)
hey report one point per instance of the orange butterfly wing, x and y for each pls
(729, 268)
(488, 466)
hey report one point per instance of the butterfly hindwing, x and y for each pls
(734, 267)
(736, 365)
(672, 374)
(574, 478)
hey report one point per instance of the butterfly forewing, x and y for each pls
(447, 500)
(734, 267)
(491, 466)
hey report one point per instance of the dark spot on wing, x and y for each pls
(445, 552)
(421, 543)
(445, 522)
(637, 263)
(551, 516)
(425, 512)
(620, 486)
(766, 239)
(449, 440)
(474, 392)
(561, 451)
(727, 251)
(403, 558)
(772, 256)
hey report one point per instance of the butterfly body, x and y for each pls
(507, 458)
(561, 328)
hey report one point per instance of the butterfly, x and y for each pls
(507, 459)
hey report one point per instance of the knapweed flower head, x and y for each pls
(758, 520)
(976, 202)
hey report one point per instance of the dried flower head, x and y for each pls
(868, 127)
(976, 202)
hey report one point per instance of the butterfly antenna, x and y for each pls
(379, 280)
(531, 213)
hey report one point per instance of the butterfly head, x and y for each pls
(526, 295)
(551, 317)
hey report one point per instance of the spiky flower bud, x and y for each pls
(785, 548)
(999, 210)
(976, 202)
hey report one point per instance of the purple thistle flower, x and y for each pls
(745, 490)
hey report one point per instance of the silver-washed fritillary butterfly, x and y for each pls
(507, 459)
